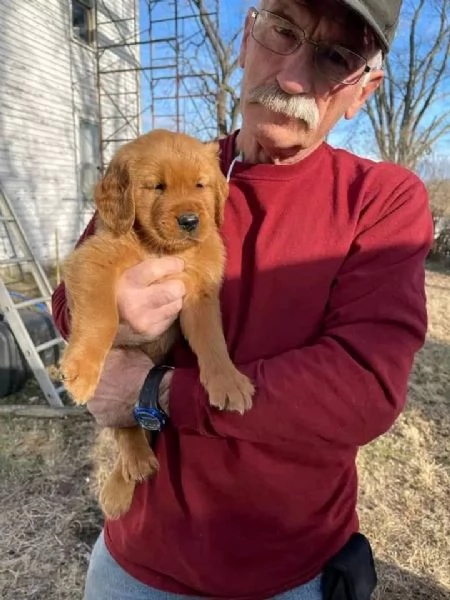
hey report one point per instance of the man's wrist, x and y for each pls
(148, 410)
(123, 376)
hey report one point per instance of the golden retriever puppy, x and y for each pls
(163, 194)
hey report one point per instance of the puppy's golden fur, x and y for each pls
(150, 187)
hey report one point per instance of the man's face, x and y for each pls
(296, 75)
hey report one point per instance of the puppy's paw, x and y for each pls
(230, 390)
(138, 466)
(80, 374)
(116, 496)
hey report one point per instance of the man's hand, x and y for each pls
(123, 376)
(147, 308)
(147, 305)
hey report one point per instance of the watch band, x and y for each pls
(147, 410)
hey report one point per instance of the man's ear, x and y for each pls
(372, 83)
(114, 198)
(245, 37)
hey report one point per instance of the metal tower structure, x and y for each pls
(180, 65)
(118, 74)
(169, 73)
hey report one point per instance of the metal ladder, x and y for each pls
(10, 309)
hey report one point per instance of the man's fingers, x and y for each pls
(161, 319)
(153, 269)
(165, 293)
(169, 311)
(144, 301)
(161, 327)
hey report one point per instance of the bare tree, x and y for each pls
(190, 66)
(439, 192)
(435, 171)
(219, 85)
(410, 112)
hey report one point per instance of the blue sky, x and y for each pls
(355, 135)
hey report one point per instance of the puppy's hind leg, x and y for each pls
(138, 459)
(116, 494)
(136, 462)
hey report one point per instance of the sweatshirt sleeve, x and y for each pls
(60, 310)
(349, 386)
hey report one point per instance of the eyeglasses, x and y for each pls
(334, 62)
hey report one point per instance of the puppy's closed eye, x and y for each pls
(159, 187)
(200, 185)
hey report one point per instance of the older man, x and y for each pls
(323, 307)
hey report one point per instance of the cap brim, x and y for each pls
(362, 11)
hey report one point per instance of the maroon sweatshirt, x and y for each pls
(323, 307)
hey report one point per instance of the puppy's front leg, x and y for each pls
(91, 278)
(201, 323)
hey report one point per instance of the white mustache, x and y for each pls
(272, 97)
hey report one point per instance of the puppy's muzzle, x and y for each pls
(188, 222)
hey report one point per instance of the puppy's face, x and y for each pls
(167, 186)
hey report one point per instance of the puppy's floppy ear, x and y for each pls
(114, 198)
(220, 183)
(221, 197)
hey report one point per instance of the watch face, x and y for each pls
(151, 419)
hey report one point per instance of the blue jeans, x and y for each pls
(106, 580)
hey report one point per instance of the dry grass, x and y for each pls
(49, 520)
(405, 475)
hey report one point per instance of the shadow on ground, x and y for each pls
(395, 583)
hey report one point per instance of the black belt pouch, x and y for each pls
(350, 574)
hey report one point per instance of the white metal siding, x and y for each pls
(48, 83)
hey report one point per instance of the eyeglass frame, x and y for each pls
(254, 14)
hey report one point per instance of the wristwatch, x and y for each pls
(147, 410)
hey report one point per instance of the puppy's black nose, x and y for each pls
(188, 221)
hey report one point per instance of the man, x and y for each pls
(323, 307)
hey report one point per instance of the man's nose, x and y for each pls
(297, 71)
